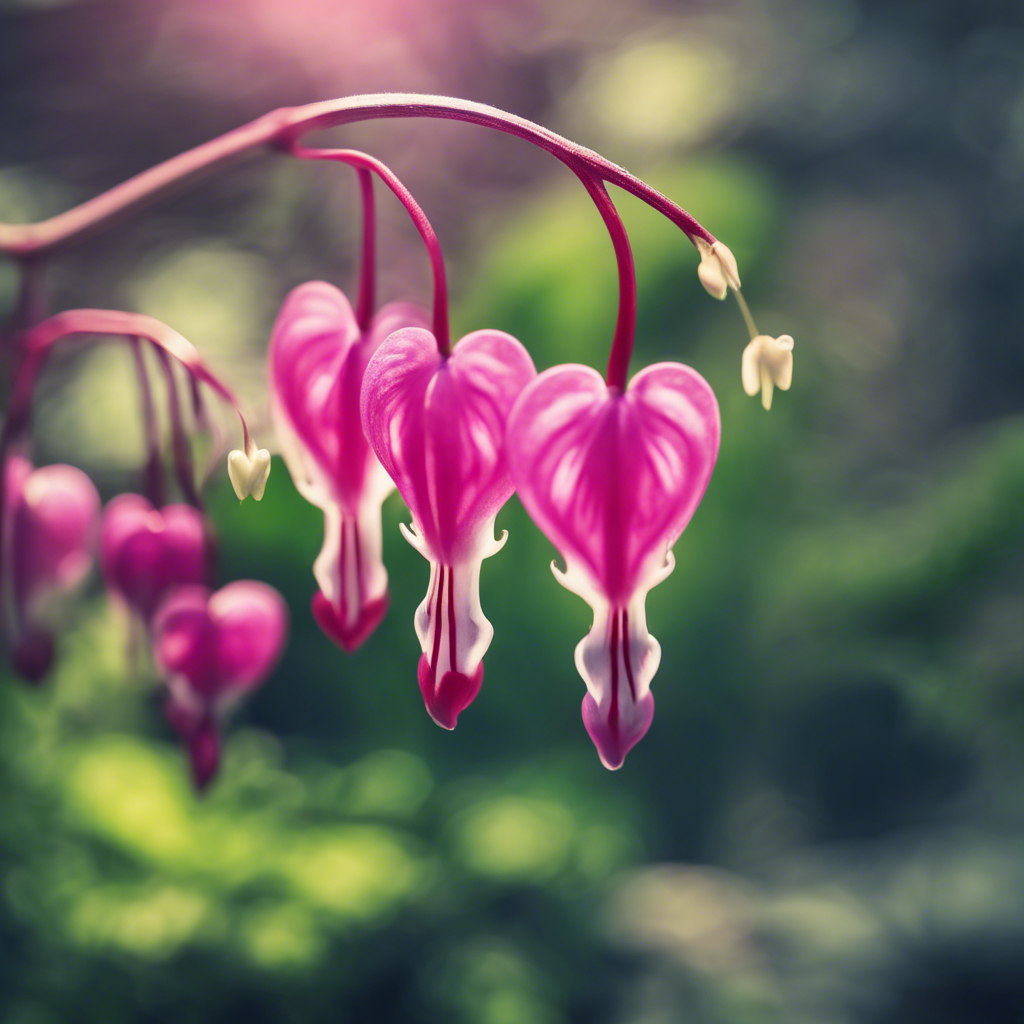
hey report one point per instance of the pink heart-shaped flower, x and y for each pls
(316, 363)
(438, 427)
(612, 478)
(437, 424)
(214, 646)
(146, 552)
(49, 530)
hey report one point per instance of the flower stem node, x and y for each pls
(717, 271)
(767, 364)
(249, 470)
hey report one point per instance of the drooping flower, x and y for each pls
(316, 363)
(437, 424)
(146, 552)
(767, 364)
(50, 522)
(212, 649)
(612, 477)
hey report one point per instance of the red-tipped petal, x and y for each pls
(447, 699)
(32, 658)
(204, 754)
(348, 638)
(615, 738)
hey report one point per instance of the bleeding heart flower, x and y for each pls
(213, 648)
(49, 531)
(145, 552)
(612, 477)
(316, 363)
(437, 425)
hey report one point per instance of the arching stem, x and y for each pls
(282, 128)
(368, 163)
(625, 324)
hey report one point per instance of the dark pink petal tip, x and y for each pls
(204, 754)
(447, 699)
(348, 638)
(32, 658)
(614, 739)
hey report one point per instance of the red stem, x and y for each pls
(625, 325)
(367, 273)
(283, 127)
(419, 218)
(154, 467)
(180, 450)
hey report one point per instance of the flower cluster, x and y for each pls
(157, 559)
(366, 400)
(611, 473)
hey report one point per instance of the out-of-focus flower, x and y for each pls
(212, 649)
(316, 364)
(437, 425)
(50, 523)
(717, 271)
(145, 552)
(767, 364)
(612, 477)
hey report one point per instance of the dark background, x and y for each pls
(825, 820)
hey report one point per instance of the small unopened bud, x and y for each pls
(249, 470)
(717, 271)
(767, 364)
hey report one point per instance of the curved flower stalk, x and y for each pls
(213, 649)
(612, 477)
(50, 520)
(317, 357)
(437, 425)
(146, 552)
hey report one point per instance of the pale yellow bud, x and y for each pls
(717, 271)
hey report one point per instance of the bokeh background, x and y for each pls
(826, 820)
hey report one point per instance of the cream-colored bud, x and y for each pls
(248, 471)
(767, 364)
(717, 271)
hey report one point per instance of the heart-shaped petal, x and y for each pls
(248, 471)
(438, 426)
(316, 362)
(215, 646)
(145, 552)
(611, 477)
(54, 514)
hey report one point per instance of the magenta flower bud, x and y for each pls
(612, 477)
(50, 524)
(437, 425)
(316, 363)
(212, 649)
(145, 552)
